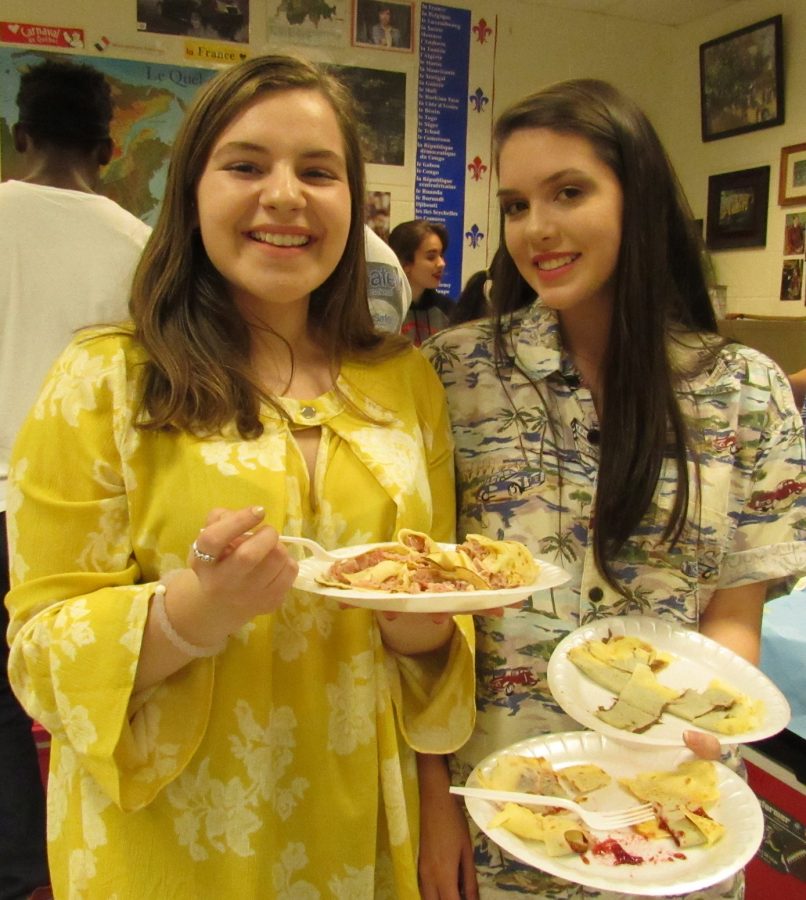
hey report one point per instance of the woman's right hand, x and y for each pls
(248, 572)
(237, 569)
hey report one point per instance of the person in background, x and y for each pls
(797, 381)
(420, 246)
(600, 419)
(211, 724)
(388, 289)
(68, 257)
(474, 301)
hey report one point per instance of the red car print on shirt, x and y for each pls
(765, 500)
(509, 679)
(726, 442)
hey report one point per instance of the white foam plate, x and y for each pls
(698, 660)
(666, 869)
(448, 602)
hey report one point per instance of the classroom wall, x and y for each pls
(534, 45)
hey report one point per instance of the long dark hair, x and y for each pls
(660, 288)
(197, 376)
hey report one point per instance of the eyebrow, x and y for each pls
(551, 179)
(248, 146)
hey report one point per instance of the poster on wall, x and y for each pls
(378, 211)
(442, 101)
(150, 101)
(308, 23)
(226, 20)
(381, 99)
(42, 35)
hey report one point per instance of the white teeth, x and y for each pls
(280, 240)
(550, 264)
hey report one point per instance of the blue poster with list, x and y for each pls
(442, 107)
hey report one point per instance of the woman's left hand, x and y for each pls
(412, 633)
(706, 746)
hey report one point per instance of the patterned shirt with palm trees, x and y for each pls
(527, 451)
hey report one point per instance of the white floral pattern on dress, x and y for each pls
(228, 769)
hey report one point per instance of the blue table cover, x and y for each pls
(783, 652)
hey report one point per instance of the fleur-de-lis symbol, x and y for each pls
(474, 236)
(478, 100)
(477, 168)
(482, 31)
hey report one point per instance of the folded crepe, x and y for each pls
(681, 799)
(529, 774)
(560, 834)
(417, 564)
(640, 702)
(626, 666)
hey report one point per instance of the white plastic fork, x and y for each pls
(316, 549)
(598, 821)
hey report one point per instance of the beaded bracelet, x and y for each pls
(161, 615)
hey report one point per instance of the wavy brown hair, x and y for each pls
(197, 376)
(661, 288)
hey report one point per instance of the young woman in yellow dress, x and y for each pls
(215, 730)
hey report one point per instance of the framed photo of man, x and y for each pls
(383, 26)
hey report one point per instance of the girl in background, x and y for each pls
(420, 246)
(600, 419)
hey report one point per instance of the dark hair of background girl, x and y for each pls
(197, 376)
(661, 287)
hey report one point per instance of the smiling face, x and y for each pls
(563, 212)
(273, 201)
(426, 268)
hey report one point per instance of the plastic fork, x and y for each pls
(316, 549)
(598, 821)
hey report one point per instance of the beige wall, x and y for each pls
(658, 65)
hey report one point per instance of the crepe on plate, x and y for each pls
(681, 799)
(417, 564)
(627, 666)
(559, 831)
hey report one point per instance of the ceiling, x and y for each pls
(662, 12)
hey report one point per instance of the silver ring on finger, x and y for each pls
(200, 554)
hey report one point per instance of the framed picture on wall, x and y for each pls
(383, 26)
(792, 178)
(742, 80)
(737, 209)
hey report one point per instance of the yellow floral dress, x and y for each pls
(284, 767)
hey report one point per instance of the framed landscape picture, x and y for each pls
(737, 209)
(742, 80)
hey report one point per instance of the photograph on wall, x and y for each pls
(792, 279)
(737, 209)
(793, 234)
(310, 23)
(220, 20)
(378, 212)
(792, 176)
(150, 102)
(742, 80)
(384, 26)
(381, 99)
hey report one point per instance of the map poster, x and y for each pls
(150, 100)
